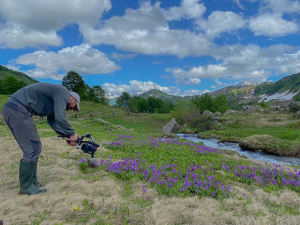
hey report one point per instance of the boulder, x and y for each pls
(120, 127)
(171, 127)
(214, 118)
(217, 114)
(207, 113)
(102, 121)
(217, 124)
(253, 108)
(297, 114)
(277, 108)
(294, 106)
(230, 111)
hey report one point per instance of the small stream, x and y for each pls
(261, 156)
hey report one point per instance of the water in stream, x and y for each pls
(213, 143)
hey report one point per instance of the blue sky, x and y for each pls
(181, 47)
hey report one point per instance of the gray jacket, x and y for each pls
(45, 99)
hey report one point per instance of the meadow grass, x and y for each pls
(140, 122)
(142, 179)
(241, 125)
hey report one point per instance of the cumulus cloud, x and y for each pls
(34, 22)
(194, 92)
(221, 22)
(279, 6)
(119, 57)
(138, 87)
(244, 62)
(18, 36)
(146, 31)
(188, 9)
(13, 67)
(196, 73)
(83, 59)
(219, 84)
(272, 25)
(270, 20)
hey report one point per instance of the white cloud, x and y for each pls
(244, 62)
(188, 9)
(193, 81)
(119, 57)
(194, 92)
(34, 22)
(13, 67)
(146, 31)
(82, 59)
(18, 36)
(54, 14)
(219, 84)
(239, 4)
(272, 25)
(195, 73)
(221, 22)
(138, 87)
(279, 6)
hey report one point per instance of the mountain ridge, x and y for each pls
(5, 72)
(275, 93)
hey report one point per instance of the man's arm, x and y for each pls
(60, 106)
(51, 121)
(71, 140)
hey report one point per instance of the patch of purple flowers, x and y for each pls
(268, 175)
(168, 176)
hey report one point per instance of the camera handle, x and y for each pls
(80, 141)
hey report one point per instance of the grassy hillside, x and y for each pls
(291, 83)
(5, 72)
(161, 95)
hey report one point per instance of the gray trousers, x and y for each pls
(22, 126)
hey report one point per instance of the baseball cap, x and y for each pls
(77, 97)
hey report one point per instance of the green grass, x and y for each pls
(3, 100)
(141, 123)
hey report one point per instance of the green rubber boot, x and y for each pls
(26, 179)
(35, 180)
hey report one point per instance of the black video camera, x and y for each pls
(89, 147)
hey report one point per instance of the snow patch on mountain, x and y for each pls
(284, 96)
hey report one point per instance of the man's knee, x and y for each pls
(32, 154)
(36, 147)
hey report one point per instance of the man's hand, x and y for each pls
(72, 140)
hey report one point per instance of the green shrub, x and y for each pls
(202, 123)
(262, 104)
